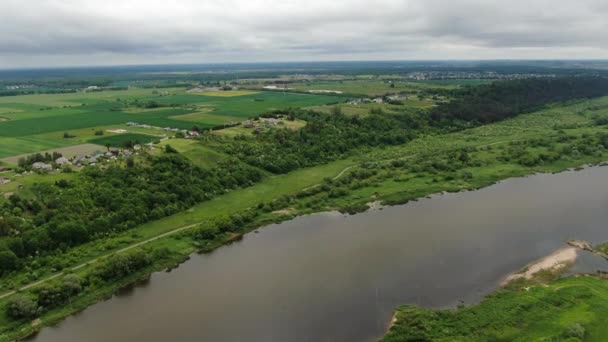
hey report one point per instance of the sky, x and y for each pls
(51, 33)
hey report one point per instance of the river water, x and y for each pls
(330, 277)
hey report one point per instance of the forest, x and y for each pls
(101, 202)
(502, 100)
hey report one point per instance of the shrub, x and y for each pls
(21, 307)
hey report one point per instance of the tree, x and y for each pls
(170, 149)
(8, 261)
(21, 307)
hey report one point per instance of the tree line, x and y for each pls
(101, 202)
(501, 100)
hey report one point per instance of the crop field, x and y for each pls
(33, 123)
(119, 140)
(369, 87)
(227, 93)
(248, 105)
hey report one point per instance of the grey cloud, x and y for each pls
(113, 31)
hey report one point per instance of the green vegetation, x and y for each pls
(115, 222)
(571, 309)
(34, 123)
(125, 140)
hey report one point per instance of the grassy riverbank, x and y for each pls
(547, 141)
(570, 309)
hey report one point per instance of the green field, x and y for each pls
(34, 123)
(571, 309)
(370, 87)
(120, 140)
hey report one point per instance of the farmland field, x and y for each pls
(369, 87)
(33, 123)
(119, 140)
(227, 93)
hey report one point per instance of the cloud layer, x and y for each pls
(85, 32)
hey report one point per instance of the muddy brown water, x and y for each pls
(330, 277)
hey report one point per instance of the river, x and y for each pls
(330, 277)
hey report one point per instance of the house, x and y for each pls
(62, 161)
(248, 124)
(78, 160)
(4, 180)
(271, 121)
(137, 147)
(378, 100)
(194, 134)
(93, 160)
(42, 166)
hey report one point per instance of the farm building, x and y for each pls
(271, 121)
(62, 161)
(42, 166)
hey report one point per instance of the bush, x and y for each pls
(21, 307)
(575, 331)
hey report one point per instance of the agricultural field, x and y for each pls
(369, 87)
(33, 123)
(122, 140)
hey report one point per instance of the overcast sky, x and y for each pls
(38, 33)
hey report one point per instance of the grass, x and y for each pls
(208, 119)
(230, 93)
(198, 153)
(120, 140)
(369, 87)
(552, 312)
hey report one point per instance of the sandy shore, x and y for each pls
(560, 258)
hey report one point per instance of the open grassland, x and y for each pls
(571, 309)
(238, 130)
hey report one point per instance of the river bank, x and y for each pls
(514, 186)
(432, 165)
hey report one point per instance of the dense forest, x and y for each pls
(323, 139)
(100, 202)
(502, 100)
